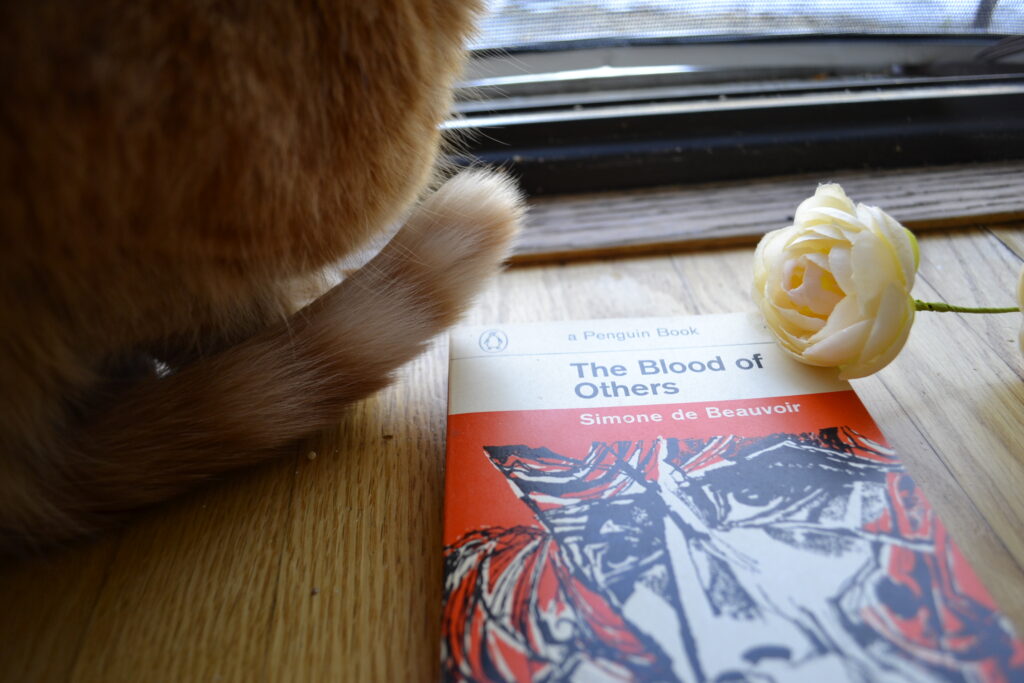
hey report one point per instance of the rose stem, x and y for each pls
(939, 307)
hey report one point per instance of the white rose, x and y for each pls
(834, 287)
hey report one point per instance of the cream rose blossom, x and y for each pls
(834, 287)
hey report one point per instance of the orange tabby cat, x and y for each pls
(169, 169)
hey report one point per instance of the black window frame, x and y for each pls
(885, 102)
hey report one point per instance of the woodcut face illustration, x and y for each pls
(789, 557)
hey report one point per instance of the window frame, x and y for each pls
(657, 113)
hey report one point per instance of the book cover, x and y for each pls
(677, 500)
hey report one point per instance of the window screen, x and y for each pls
(526, 23)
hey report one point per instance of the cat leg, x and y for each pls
(292, 379)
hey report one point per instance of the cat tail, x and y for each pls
(247, 403)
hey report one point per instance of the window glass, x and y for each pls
(525, 23)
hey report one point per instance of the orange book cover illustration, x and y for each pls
(677, 500)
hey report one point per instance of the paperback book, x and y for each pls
(677, 500)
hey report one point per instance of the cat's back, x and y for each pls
(145, 144)
(159, 158)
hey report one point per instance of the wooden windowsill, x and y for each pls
(721, 214)
(330, 569)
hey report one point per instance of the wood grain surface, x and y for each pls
(330, 568)
(739, 212)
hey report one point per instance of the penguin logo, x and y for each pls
(493, 341)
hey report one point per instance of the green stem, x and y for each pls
(939, 307)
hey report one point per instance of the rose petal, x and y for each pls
(833, 288)
(827, 231)
(770, 249)
(843, 219)
(841, 266)
(809, 243)
(795, 343)
(819, 259)
(869, 366)
(826, 196)
(894, 316)
(795, 322)
(901, 240)
(873, 267)
(846, 313)
(840, 348)
(817, 290)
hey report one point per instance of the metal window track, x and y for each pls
(625, 137)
